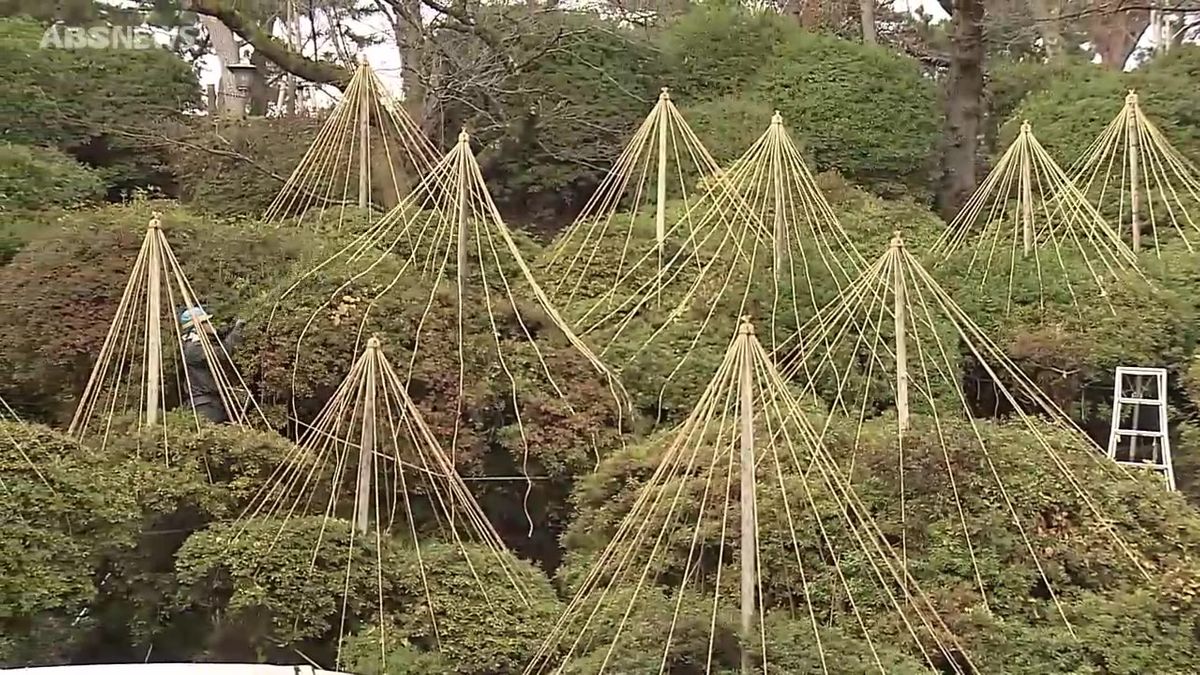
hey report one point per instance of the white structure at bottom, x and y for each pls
(1140, 436)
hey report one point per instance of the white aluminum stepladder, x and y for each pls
(1149, 390)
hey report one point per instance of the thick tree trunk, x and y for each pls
(1115, 32)
(866, 10)
(964, 106)
(225, 47)
(411, 38)
(261, 91)
(320, 72)
(1048, 27)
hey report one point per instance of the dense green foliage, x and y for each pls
(1069, 112)
(860, 111)
(143, 542)
(62, 289)
(93, 103)
(43, 178)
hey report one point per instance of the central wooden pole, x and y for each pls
(1134, 148)
(900, 312)
(464, 141)
(366, 448)
(1026, 160)
(154, 321)
(777, 175)
(364, 138)
(748, 502)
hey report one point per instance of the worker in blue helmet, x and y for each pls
(202, 383)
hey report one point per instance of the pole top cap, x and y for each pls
(777, 119)
(1132, 96)
(746, 327)
(464, 137)
(373, 344)
(897, 239)
(1026, 127)
(362, 59)
(155, 220)
(664, 94)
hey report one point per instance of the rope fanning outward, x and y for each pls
(759, 237)
(1134, 176)
(370, 459)
(139, 373)
(1027, 220)
(366, 153)
(743, 489)
(896, 344)
(447, 244)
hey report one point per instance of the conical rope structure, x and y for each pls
(741, 529)
(1140, 182)
(664, 162)
(919, 395)
(445, 260)
(761, 240)
(369, 152)
(1029, 227)
(145, 366)
(368, 488)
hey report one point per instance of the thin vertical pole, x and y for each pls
(464, 140)
(366, 448)
(660, 213)
(1135, 197)
(364, 138)
(900, 311)
(1026, 188)
(777, 175)
(748, 502)
(154, 321)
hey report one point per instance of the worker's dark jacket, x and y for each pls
(203, 384)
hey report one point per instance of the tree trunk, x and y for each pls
(225, 47)
(411, 38)
(1048, 27)
(261, 91)
(964, 106)
(866, 9)
(1115, 32)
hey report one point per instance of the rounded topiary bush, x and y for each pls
(71, 513)
(728, 126)
(501, 387)
(60, 293)
(1058, 329)
(43, 178)
(275, 586)
(1072, 534)
(817, 83)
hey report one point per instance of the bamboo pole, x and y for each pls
(366, 448)
(1026, 189)
(154, 321)
(464, 140)
(777, 180)
(364, 139)
(1135, 197)
(749, 543)
(899, 314)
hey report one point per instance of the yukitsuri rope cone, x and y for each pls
(761, 238)
(446, 261)
(1140, 182)
(141, 371)
(366, 482)
(737, 532)
(920, 397)
(368, 152)
(1029, 228)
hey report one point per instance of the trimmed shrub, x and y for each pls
(43, 178)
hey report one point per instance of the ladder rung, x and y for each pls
(1140, 432)
(1144, 465)
(1141, 401)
